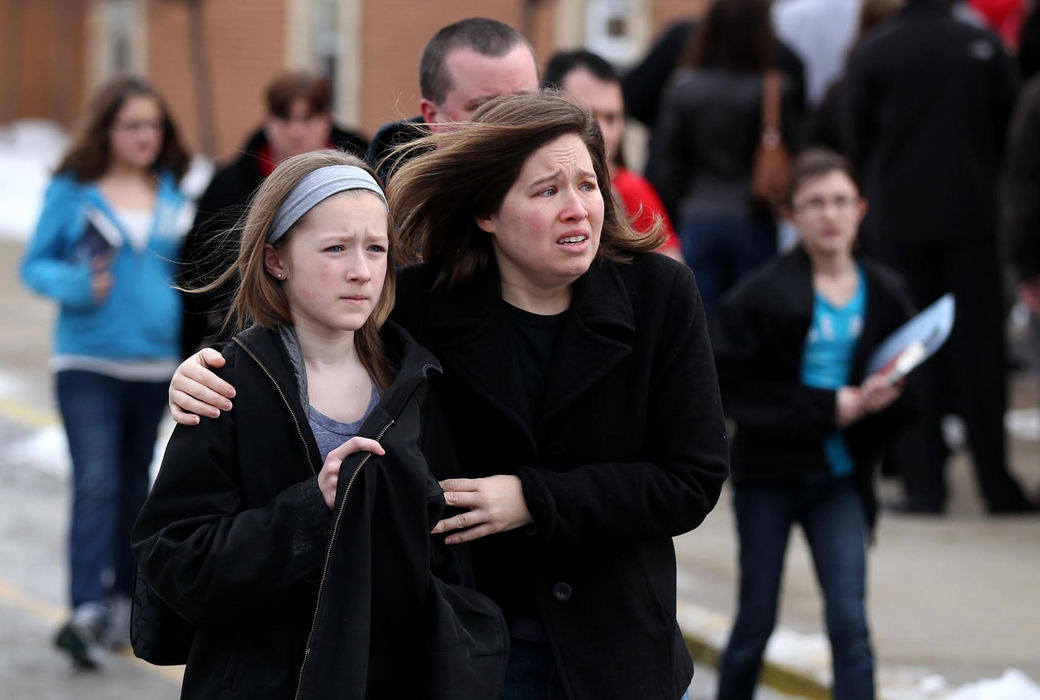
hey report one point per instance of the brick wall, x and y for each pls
(245, 48)
(42, 59)
(394, 34)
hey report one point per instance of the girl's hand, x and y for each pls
(196, 391)
(877, 394)
(328, 477)
(849, 406)
(496, 504)
(101, 284)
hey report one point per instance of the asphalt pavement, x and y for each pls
(951, 600)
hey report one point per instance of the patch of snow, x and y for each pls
(29, 152)
(1013, 685)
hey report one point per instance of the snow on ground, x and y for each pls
(29, 152)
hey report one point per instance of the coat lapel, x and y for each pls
(471, 338)
(595, 337)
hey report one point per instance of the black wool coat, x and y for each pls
(292, 599)
(758, 334)
(924, 109)
(628, 451)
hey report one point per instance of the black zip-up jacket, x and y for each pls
(628, 451)
(292, 599)
(758, 335)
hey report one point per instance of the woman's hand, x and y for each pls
(496, 504)
(328, 477)
(196, 391)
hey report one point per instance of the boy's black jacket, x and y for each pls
(758, 335)
(236, 537)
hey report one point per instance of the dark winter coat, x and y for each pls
(644, 84)
(237, 538)
(759, 337)
(389, 137)
(925, 106)
(1022, 184)
(628, 451)
(208, 250)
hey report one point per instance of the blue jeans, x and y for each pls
(832, 516)
(111, 427)
(722, 251)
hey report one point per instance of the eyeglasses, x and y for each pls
(134, 126)
(816, 206)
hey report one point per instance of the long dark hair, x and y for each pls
(90, 153)
(735, 35)
(440, 193)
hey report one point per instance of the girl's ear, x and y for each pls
(486, 223)
(273, 262)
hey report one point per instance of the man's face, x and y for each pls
(603, 98)
(475, 79)
(301, 131)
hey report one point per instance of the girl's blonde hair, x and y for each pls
(261, 299)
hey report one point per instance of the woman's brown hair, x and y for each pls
(464, 174)
(261, 298)
(90, 154)
(735, 35)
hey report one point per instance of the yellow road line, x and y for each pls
(26, 415)
(54, 614)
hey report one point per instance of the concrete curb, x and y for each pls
(705, 633)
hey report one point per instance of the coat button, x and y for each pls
(556, 448)
(562, 592)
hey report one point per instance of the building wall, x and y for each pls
(395, 32)
(244, 44)
(42, 59)
(45, 54)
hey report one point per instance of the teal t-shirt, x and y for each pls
(827, 358)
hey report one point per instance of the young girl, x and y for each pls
(293, 530)
(791, 344)
(105, 248)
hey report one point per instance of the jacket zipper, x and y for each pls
(328, 556)
(296, 422)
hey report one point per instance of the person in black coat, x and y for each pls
(293, 530)
(299, 119)
(580, 392)
(792, 344)
(926, 101)
(462, 66)
(1022, 203)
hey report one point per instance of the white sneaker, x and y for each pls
(79, 637)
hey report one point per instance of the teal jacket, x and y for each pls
(140, 318)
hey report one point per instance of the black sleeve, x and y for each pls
(643, 84)
(210, 248)
(1022, 185)
(206, 555)
(752, 392)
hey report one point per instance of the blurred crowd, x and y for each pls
(826, 168)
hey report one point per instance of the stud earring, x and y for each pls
(280, 275)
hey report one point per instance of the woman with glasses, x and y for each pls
(791, 344)
(105, 248)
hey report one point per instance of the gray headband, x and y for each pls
(317, 186)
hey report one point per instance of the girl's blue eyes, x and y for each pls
(374, 248)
